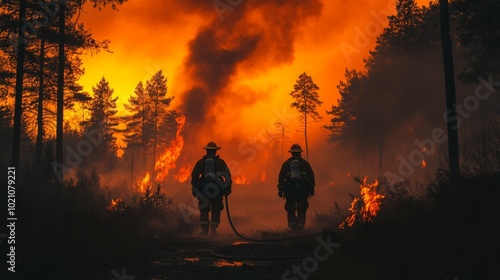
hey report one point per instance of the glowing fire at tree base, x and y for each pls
(167, 161)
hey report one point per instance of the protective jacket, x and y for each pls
(207, 171)
(296, 177)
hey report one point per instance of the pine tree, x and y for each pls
(103, 117)
(305, 94)
(138, 122)
(161, 117)
(344, 125)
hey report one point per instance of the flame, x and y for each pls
(241, 180)
(184, 173)
(262, 178)
(146, 181)
(365, 207)
(228, 264)
(116, 205)
(167, 160)
(424, 164)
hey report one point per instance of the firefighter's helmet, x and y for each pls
(211, 146)
(295, 148)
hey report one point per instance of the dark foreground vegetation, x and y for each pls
(450, 231)
(446, 231)
(76, 232)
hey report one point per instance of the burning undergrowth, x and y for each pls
(366, 206)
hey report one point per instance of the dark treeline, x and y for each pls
(399, 95)
(37, 38)
(148, 126)
(390, 114)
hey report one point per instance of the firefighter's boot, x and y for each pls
(213, 228)
(204, 229)
(301, 220)
(292, 220)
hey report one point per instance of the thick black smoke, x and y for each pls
(210, 68)
(235, 41)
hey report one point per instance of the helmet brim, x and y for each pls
(295, 151)
(211, 148)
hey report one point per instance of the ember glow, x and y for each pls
(241, 180)
(262, 178)
(365, 207)
(228, 263)
(116, 205)
(331, 183)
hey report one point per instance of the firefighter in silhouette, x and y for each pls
(210, 181)
(296, 184)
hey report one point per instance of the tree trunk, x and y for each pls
(60, 86)
(381, 157)
(453, 146)
(305, 126)
(154, 146)
(132, 172)
(282, 141)
(21, 47)
(39, 136)
(144, 142)
(358, 156)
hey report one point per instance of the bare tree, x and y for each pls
(305, 94)
(21, 47)
(451, 100)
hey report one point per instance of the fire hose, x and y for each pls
(223, 185)
(260, 258)
(226, 184)
(262, 240)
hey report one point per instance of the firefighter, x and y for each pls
(210, 181)
(296, 184)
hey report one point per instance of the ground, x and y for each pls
(223, 257)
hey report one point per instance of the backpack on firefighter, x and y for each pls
(212, 182)
(210, 187)
(297, 180)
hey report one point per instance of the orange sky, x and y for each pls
(148, 35)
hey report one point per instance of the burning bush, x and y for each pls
(365, 207)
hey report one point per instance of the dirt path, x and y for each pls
(194, 259)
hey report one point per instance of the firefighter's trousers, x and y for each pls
(296, 207)
(215, 206)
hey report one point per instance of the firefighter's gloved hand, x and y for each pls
(281, 189)
(227, 190)
(311, 192)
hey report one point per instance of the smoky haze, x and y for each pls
(252, 37)
(256, 37)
